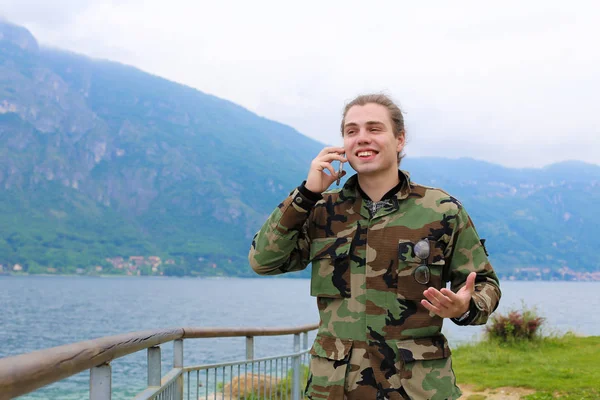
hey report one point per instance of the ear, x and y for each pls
(401, 141)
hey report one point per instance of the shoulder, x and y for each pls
(330, 197)
(335, 192)
(435, 196)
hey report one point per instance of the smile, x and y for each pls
(366, 153)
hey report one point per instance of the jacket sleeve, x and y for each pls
(466, 253)
(282, 244)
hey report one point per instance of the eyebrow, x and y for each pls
(354, 124)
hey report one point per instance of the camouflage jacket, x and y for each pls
(369, 271)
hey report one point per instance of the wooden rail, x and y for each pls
(25, 373)
(196, 333)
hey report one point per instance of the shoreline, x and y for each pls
(23, 274)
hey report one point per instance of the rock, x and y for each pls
(240, 386)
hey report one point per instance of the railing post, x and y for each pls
(250, 356)
(249, 347)
(154, 367)
(101, 382)
(296, 368)
(305, 357)
(178, 363)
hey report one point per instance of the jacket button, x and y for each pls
(298, 200)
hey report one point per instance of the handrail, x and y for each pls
(25, 373)
(196, 333)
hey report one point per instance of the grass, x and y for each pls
(565, 367)
(556, 367)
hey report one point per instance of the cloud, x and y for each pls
(49, 14)
(514, 83)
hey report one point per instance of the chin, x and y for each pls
(367, 170)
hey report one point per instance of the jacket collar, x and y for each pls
(361, 203)
(400, 191)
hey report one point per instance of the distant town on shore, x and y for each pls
(155, 266)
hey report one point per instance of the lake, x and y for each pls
(39, 312)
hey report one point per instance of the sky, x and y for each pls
(514, 83)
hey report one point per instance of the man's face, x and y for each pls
(371, 148)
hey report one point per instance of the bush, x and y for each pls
(517, 325)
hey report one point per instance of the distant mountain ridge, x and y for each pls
(101, 162)
(542, 218)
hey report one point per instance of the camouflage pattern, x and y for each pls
(375, 339)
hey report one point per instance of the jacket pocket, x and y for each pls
(330, 276)
(331, 347)
(427, 348)
(416, 274)
(328, 367)
(427, 368)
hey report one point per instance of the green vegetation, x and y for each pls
(515, 326)
(284, 386)
(567, 365)
(516, 355)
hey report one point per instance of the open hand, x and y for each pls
(448, 304)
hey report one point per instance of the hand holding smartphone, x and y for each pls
(323, 171)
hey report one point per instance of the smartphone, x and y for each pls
(339, 172)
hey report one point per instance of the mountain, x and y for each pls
(105, 168)
(542, 218)
(101, 160)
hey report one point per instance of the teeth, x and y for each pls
(365, 154)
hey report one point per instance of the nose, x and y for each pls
(363, 136)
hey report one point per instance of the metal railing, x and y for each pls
(276, 377)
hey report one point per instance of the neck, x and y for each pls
(375, 186)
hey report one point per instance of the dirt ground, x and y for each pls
(503, 393)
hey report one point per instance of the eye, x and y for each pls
(350, 132)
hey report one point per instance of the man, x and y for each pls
(382, 249)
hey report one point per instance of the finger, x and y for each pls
(329, 167)
(322, 165)
(470, 285)
(431, 307)
(330, 150)
(449, 294)
(432, 299)
(442, 300)
(331, 157)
